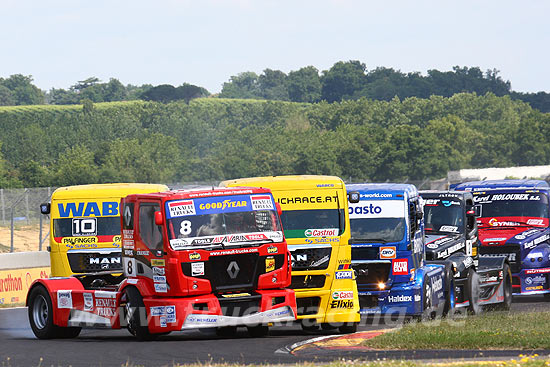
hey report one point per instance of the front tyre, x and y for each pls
(348, 328)
(40, 313)
(258, 331)
(473, 291)
(507, 289)
(136, 315)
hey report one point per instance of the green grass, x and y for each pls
(496, 330)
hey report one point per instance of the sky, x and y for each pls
(205, 42)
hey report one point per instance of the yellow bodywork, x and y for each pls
(82, 202)
(338, 297)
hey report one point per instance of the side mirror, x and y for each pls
(354, 197)
(419, 215)
(159, 220)
(279, 209)
(474, 211)
(45, 208)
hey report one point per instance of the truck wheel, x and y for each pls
(427, 303)
(258, 331)
(226, 331)
(449, 289)
(136, 315)
(348, 328)
(40, 313)
(472, 291)
(507, 289)
(309, 325)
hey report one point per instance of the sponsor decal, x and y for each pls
(500, 197)
(159, 278)
(336, 295)
(64, 299)
(344, 266)
(79, 240)
(197, 269)
(400, 267)
(417, 298)
(348, 304)
(327, 232)
(308, 200)
(143, 252)
(347, 274)
(157, 262)
(537, 271)
(255, 237)
(325, 185)
(448, 229)
(269, 264)
(88, 301)
(87, 209)
(539, 279)
(171, 313)
(128, 252)
(388, 252)
(161, 287)
(535, 222)
(194, 256)
(158, 271)
(234, 251)
(377, 209)
(310, 241)
(179, 243)
(128, 234)
(437, 284)
(104, 261)
(534, 288)
(128, 244)
(235, 295)
(511, 256)
(202, 319)
(536, 241)
(166, 313)
(497, 239)
(495, 223)
(181, 208)
(261, 202)
(272, 250)
(223, 205)
(450, 250)
(432, 246)
(399, 298)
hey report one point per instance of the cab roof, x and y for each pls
(96, 191)
(372, 189)
(500, 184)
(445, 193)
(291, 182)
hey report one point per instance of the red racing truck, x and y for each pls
(192, 259)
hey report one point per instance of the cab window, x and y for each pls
(149, 232)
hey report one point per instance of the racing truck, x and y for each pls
(514, 222)
(452, 235)
(316, 225)
(388, 254)
(192, 259)
(85, 226)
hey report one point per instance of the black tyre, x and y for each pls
(136, 315)
(427, 302)
(472, 292)
(226, 331)
(40, 313)
(309, 325)
(327, 326)
(258, 331)
(449, 289)
(507, 288)
(348, 328)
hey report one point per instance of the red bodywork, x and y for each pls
(174, 300)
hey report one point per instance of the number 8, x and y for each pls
(185, 227)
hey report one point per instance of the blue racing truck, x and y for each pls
(389, 257)
(514, 222)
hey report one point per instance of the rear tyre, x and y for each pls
(136, 315)
(40, 313)
(309, 325)
(472, 291)
(507, 288)
(327, 326)
(348, 328)
(449, 290)
(258, 331)
(427, 302)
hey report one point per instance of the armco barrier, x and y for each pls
(17, 272)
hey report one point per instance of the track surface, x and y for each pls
(117, 347)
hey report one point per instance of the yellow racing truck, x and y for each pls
(315, 221)
(85, 226)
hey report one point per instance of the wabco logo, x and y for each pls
(87, 209)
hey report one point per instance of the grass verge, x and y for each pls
(495, 330)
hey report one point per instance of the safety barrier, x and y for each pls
(17, 272)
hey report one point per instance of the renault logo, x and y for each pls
(233, 269)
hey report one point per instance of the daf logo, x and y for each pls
(233, 269)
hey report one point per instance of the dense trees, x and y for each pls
(211, 139)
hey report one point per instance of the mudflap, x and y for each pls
(490, 270)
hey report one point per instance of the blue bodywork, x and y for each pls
(390, 265)
(526, 242)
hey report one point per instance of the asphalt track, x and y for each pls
(19, 347)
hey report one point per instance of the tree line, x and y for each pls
(345, 80)
(210, 139)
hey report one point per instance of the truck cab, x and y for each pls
(84, 232)
(452, 235)
(514, 222)
(316, 225)
(212, 258)
(388, 253)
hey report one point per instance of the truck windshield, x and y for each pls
(312, 223)
(443, 215)
(222, 221)
(377, 229)
(90, 226)
(528, 205)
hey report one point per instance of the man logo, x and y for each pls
(233, 269)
